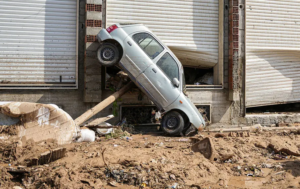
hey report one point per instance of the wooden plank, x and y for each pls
(99, 120)
(93, 111)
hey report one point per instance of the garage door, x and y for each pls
(38, 42)
(272, 52)
(190, 27)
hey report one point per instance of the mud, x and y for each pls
(157, 162)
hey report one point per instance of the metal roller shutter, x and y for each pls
(38, 40)
(190, 28)
(272, 52)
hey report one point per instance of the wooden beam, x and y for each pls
(99, 120)
(93, 111)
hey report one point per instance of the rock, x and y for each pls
(172, 177)
(232, 134)
(245, 134)
(220, 135)
(17, 187)
(266, 165)
(153, 161)
(280, 147)
(256, 128)
(113, 183)
(225, 157)
(205, 147)
(261, 144)
(149, 145)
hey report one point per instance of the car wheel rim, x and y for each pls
(108, 54)
(172, 123)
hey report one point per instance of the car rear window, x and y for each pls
(168, 65)
(151, 47)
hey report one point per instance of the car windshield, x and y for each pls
(151, 47)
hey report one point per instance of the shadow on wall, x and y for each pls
(273, 76)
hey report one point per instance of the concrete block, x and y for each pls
(96, 2)
(91, 15)
(93, 30)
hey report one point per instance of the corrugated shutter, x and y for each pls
(38, 42)
(272, 52)
(190, 27)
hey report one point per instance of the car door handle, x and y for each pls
(153, 70)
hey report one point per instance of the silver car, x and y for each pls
(155, 70)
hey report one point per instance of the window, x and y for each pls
(151, 47)
(169, 66)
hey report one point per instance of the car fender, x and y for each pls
(184, 104)
(117, 35)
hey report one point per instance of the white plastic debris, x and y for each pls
(86, 136)
(157, 115)
(174, 185)
(104, 131)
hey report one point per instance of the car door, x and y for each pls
(140, 51)
(158, 79)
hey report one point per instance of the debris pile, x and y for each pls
(120, 159)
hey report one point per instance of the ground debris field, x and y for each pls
(255, 160)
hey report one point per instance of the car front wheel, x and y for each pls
(172, 123)
(108, 54)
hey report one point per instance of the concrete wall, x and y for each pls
(92, 69)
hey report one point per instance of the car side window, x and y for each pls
(168, 65)
(151, 47)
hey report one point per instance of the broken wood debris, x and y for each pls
(98, 121)
(48, 157)
(96, 109)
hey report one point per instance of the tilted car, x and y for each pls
(155, 70)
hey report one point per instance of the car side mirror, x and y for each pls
(175, 82)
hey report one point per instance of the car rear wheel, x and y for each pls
(172, 123)
(108, 54)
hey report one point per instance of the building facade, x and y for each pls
(48, 52)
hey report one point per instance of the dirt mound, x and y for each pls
(145, 161)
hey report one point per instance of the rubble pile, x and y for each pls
(121, 160)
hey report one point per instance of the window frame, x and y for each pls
(163, 47)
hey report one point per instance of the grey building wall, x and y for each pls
(75, 102)
(70, 100)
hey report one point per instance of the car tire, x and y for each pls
(108, 54)
(172, 123)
